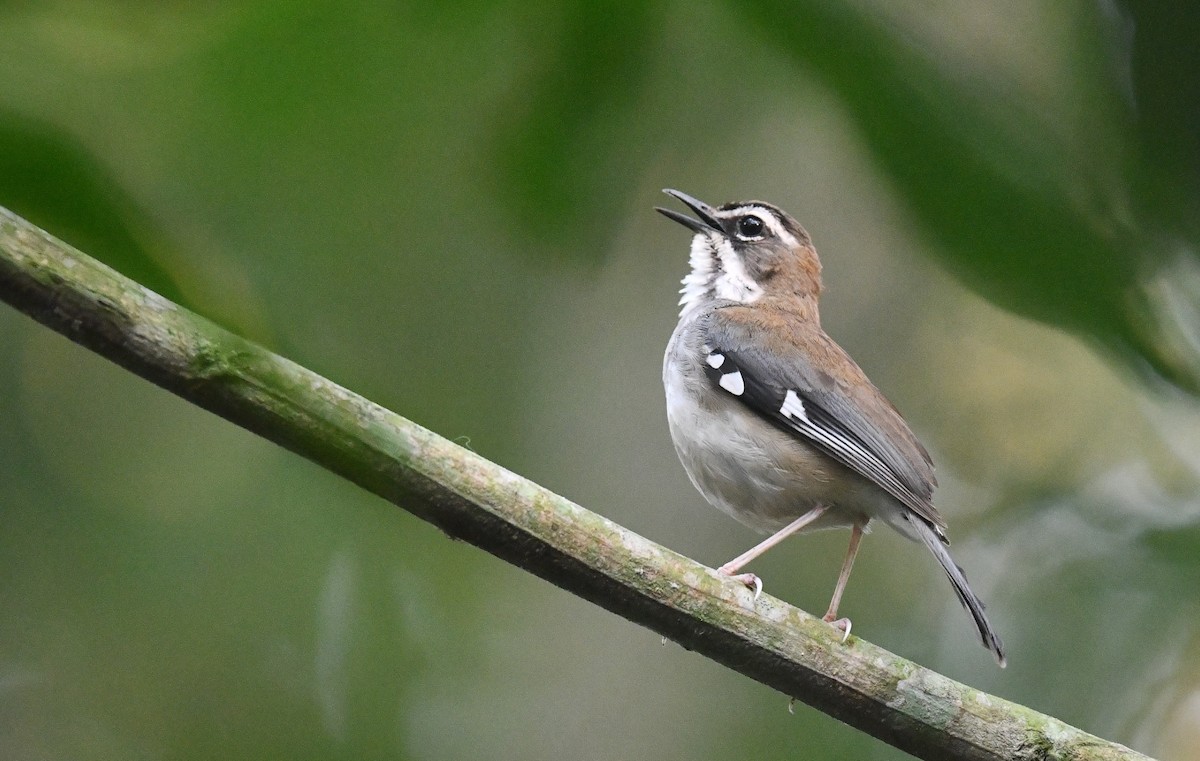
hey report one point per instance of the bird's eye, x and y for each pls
(750, 227)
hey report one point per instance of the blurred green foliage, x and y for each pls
(447, 209)
(55, 183)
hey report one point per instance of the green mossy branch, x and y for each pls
(470, 498)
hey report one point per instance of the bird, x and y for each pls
(773, 422)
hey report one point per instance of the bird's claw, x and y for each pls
(749, 579)
(842, 624)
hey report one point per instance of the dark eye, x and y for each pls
(750, 227)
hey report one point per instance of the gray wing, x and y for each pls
(845, 417)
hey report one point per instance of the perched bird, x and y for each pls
(774, 423)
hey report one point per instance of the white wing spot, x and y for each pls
(715, 360)
(793, 407)
(733, 383)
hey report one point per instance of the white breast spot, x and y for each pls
(733, 383)
(792, 407)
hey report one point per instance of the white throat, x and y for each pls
(717, 273)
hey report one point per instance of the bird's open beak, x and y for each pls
(707, 221)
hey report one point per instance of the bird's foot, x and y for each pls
(842, 624)
(749, 579)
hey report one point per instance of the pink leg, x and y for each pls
(733, 566)
(843, 577)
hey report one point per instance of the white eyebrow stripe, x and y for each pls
(768, 217)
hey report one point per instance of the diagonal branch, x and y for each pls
(468, 497)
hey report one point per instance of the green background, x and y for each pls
(448, 210)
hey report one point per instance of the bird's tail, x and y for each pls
(958, 580)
